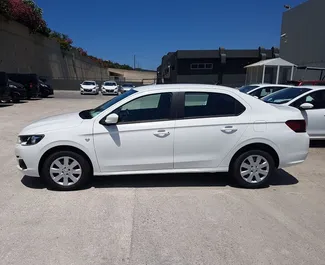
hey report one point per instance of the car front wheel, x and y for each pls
(66, 170)
(253, 169)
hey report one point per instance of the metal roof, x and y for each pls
(271, 62)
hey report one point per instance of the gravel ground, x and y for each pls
(174, 219)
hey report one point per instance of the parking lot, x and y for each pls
(174, 219)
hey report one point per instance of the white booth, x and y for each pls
(272, 71)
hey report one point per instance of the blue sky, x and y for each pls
(116, 30)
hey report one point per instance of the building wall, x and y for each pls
(304, 40)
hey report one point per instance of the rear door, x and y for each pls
(207, 127)
(315, 117)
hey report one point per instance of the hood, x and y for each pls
(53, 123)
(88, 86)
(110, 87)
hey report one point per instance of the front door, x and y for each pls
(209, 127)
(315, 117)
(141, 140)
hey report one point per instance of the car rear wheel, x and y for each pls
(66, 170)
(253, 169)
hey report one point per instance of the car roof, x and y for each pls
(89, 81)
(311, 87)
(182, 87)
(274, 85)
(109, 81)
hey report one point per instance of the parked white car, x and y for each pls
(110, 87)
(126, 87)
(89, 87)
(166, 129)
(261, 90)
(310, 100)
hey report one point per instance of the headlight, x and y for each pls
(30, 139)
(12, 86)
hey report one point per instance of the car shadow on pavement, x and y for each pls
(3, 105)
(317, 144)
(280, 178)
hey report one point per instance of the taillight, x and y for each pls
(298, 126)
(30, 85)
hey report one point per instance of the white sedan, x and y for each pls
(310, 100)
(110, 87)
(89, 87)
(261, 90)
(166, 129)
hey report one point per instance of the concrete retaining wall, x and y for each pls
(22, 52)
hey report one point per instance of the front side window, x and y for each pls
(155, 107)
(316, 98)
(204, 105)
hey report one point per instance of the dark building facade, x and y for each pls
(220, 66)
(303, 36)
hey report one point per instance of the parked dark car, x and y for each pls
(18, 91)
(5, 90)
(45, 89)
(29, 81)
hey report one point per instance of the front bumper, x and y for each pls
(109, 91)
(88, 91)
(27, 159)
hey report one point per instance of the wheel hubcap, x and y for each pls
(65, 171)
(254, 169)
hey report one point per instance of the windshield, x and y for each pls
(285, 95)
(127, 85)
(109, 84)
(86, 83)
(89, 114)
(246, 89)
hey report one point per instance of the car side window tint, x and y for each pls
(147, 108)
(316, 98)
(202, 105)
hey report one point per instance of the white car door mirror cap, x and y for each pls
(111, 119)
(306, 106)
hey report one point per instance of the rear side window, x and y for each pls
(204, 105)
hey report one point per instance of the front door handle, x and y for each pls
(229, 129)
(161, 133)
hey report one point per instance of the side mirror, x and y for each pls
(306, 106)
(110, 119)
(256, 97)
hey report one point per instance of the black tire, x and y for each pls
(15, 100)
(83, 162)
(235, 169)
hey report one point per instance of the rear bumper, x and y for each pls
(295, 152)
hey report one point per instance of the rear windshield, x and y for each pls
(285, 95)
(246, 89)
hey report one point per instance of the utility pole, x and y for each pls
(134, 62)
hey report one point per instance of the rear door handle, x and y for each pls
(229, 129)
(161, 133)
